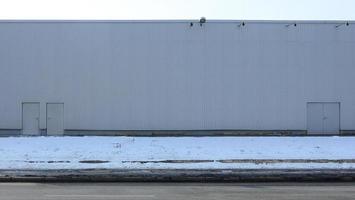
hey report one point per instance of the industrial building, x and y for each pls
(178, 77)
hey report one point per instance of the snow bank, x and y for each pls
(199, 152)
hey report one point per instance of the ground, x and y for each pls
(177, 191)
(42, 153)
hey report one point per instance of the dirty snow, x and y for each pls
(117, 152)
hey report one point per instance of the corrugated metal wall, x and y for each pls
(168, 75)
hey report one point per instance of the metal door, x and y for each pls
(323, 118)
(30, 118)
(315, 118)
(331, 118)
(55, 118)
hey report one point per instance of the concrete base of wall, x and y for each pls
(197, 133)
(201, 133)
(10, 132)
(187, 132)
(348, 132)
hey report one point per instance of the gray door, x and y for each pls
(323, 118)
(55, 118)
(30, 119)
(331, 118)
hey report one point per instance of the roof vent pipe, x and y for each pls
(202, 21)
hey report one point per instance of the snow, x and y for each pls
(67, 152)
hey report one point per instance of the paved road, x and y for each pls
(183, 191)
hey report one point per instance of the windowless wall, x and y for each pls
(169, 75)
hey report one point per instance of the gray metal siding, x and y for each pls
(167, 75)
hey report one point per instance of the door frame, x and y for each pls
(325, 102)
(47, 114)
(39, 114)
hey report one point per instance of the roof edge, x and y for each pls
(176, 21)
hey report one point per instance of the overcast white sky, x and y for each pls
(178, 9)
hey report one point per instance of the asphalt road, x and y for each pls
(183, 191)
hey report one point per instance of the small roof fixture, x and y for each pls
(294, 24)
(339, 25)
(241, 24)
(202, 20)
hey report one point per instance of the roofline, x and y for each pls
(182, 21)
